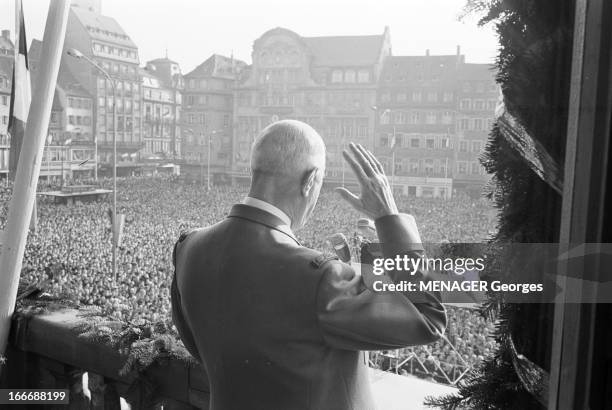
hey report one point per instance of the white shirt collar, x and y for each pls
(268, 207)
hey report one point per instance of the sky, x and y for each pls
(192, 30)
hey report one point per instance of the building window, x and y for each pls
(429, 166)
(476, 146)
(191, 118)
(202, 118)
(463, 146)
(431, 118)
(447, 97)
(400, 118)
(385, 97)
(415, 117)
(384, 119)
(430, 143)
(432, 97)
(475, 168)
(465, 104)
(478, 124)
(479, 105)
(336, 76)
(491, 105)
(401, 97)
(416, 96)
(363, 76)
(444, 142)
(447, 117)
(414, 166)
(415, 143)
(464, 124)
(226, 120)
(71, 120)
(461, 167)
(349, 76)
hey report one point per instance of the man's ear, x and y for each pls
(308, 182)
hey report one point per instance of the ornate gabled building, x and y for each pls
(328, 82)
(206, 120)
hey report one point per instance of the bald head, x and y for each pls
(287, 148)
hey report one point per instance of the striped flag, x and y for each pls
(20, 92)
(21, 95)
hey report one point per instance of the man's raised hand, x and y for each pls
(376, 198)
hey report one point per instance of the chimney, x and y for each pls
(427, 53)
(6, 34)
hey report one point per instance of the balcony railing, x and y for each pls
(50, 350)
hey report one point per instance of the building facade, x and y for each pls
(477, 96)
(70, 149)
(207, 123)
(162, 83)
(102, 39)
(7, 56)
(328, 82)
(416, 123)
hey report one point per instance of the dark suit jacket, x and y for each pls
(279, 326)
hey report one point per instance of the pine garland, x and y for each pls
(143, 345)
(533, 71)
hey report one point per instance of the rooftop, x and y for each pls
(477, 71)
(408, 69)
(66, 81)
(345, 50)
(218, 66)
(102, 27)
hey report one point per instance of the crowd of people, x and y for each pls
(73, 245)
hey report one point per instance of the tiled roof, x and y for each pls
(217, 66)
(345, 50)
(6, 43)
(65, 79)
(476, 71)
(162, 60)
(408, 68)
(105, 28)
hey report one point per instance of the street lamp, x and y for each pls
(78, 55)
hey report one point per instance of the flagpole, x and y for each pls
(28, 168)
